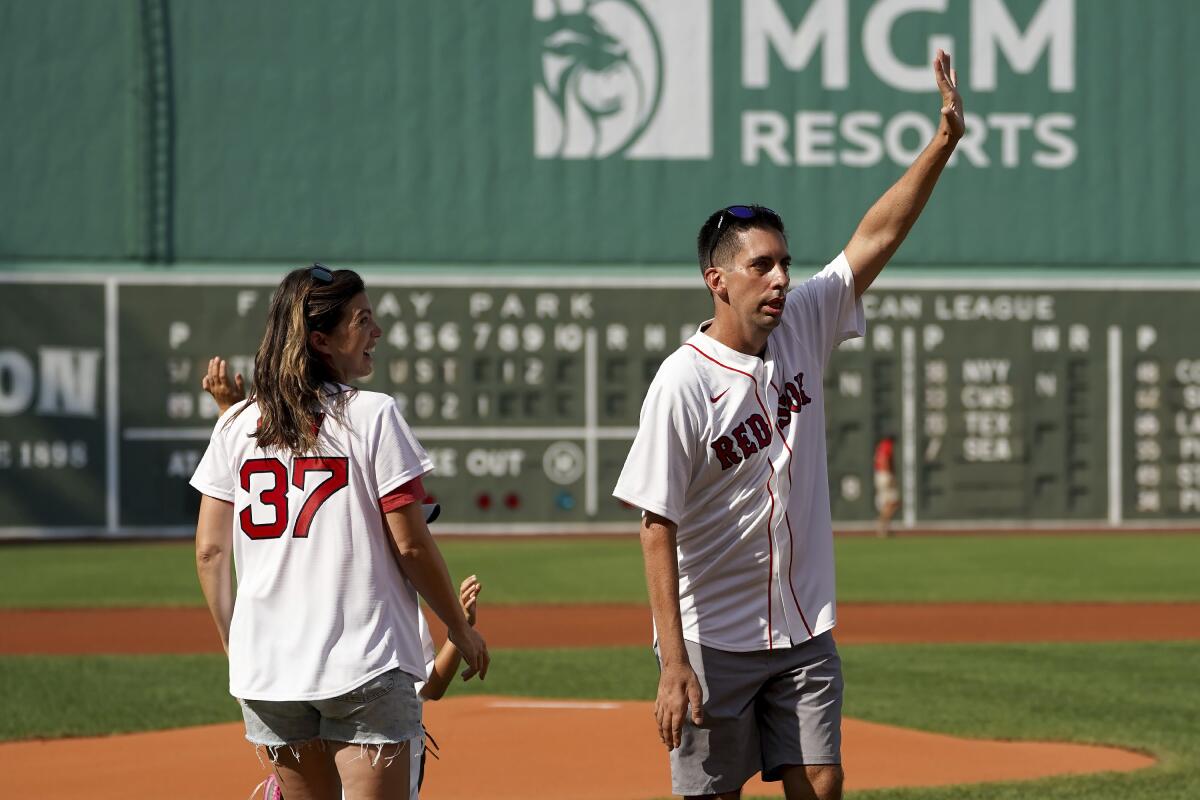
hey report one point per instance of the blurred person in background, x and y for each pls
(887, 494)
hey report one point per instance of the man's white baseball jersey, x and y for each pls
(731, 448)
(322, 606)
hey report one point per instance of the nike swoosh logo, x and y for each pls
(718, 397)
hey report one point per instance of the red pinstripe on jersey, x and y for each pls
(788, 522)
(792, 561)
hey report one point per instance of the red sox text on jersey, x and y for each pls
(754, 433)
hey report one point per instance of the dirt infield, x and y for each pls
(505, 748)
(190, 630)
(502, 748)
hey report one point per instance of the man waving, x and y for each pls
(729, 468)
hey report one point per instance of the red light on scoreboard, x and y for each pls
(512, 500)
(483, 501)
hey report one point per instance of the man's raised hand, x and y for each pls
(947, 83)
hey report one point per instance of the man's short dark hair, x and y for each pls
(716, 241)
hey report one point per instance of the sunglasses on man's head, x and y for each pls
(320, 273)
(738, 212)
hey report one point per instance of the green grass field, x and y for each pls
(1134, 567)
(1142, 696)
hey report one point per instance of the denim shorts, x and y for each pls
(384, 710)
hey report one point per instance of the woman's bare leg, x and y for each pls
(371, 772)
(306, 771)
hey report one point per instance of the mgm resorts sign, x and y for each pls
(635, 79)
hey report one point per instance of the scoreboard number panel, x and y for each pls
(54, 411)
(1012, 402)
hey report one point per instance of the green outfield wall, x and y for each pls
(565, 131)
(522, 180)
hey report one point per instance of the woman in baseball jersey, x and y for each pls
(315, 488)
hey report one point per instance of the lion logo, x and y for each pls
(601, 73)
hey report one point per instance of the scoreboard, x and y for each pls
(1015, 402)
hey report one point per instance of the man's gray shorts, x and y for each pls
(763, 711)
(383, 710)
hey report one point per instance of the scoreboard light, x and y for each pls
(565, 500)
(512, 500)
(483, 501)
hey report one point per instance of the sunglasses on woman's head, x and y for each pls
(320, 273)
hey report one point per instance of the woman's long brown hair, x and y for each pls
(290, 377)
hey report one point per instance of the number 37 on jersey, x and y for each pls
(267, 480)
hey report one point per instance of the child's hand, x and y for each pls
(225, 391)
(467, 594)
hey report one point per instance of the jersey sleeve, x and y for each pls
(659, 466)
(828, 312)
(405, 494)
(214, 473)
(396, 455)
